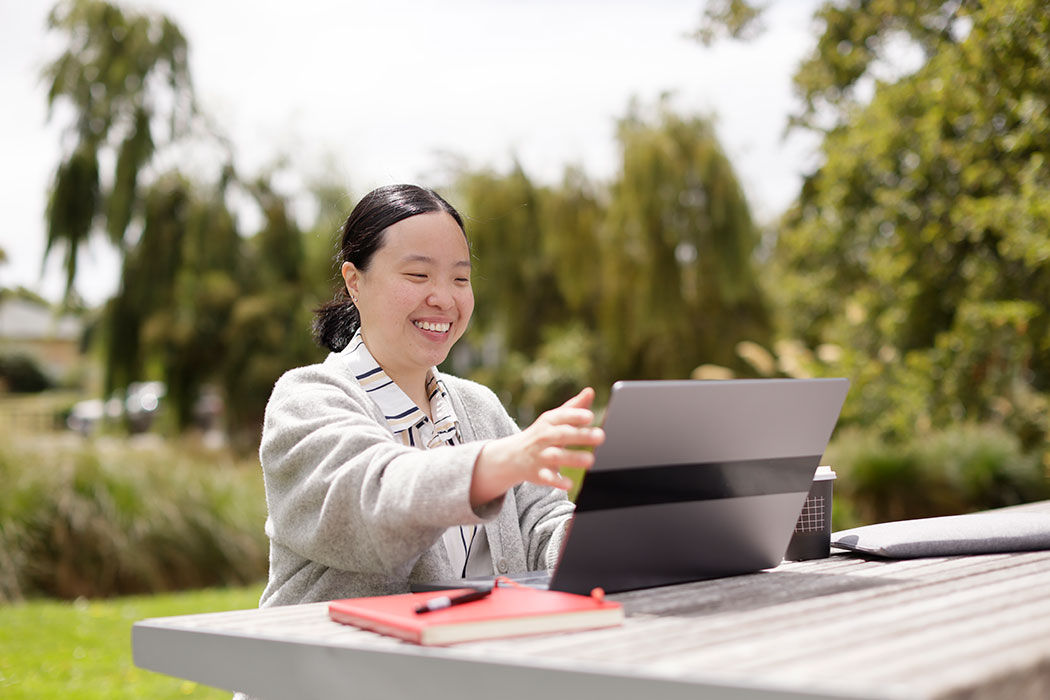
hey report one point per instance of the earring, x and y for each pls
(353, 299)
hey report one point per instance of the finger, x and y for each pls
(549, 477)
(570, 416)
(556, 457)
(565, 435)
(584, 399)
(596, 436)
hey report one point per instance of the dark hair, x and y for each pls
(361, 236)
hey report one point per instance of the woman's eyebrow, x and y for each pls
(426, 259)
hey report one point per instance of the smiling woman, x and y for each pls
(380, 471)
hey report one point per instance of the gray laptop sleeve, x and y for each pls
(973, 533)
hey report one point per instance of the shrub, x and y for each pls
(984, 465)
(105, 518)
(21, 374)
(960, 469)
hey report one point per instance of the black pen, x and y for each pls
(442, 602)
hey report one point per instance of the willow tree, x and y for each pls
(124, 78)
(516, 295)
(679, 287)
(174, 315)
(585, 282)
(268, 327)
(512, 280)
(200, 300)
(147, 282)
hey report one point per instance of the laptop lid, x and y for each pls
(696, 480)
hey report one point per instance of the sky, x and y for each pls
(369, 93)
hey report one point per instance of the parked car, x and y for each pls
(139, 407)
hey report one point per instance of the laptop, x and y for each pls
(695, 480)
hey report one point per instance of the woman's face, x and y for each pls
(415, 298)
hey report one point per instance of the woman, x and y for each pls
(381, 471)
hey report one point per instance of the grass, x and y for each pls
(81, 650)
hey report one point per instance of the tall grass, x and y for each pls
(98, 518)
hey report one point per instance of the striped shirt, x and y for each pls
(467, 546)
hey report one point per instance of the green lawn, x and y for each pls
(80, 650)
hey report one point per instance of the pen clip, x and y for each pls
(443, 602)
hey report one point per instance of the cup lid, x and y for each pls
(824, 473)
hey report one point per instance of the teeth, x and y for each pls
(428, 326)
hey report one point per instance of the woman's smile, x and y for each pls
(437, 328)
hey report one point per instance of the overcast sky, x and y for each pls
(376, 92)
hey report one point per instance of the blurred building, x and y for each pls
(30, 328)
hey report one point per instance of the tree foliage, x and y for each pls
(202, 303)
(649, 276)
(861, 39)
(736, 19)
(681, 285)
(125, 79)
(920, 245)
(929, 221)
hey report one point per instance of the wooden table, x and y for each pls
(849, 627)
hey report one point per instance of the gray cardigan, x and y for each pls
(353, 512)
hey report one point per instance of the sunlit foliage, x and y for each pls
(920, 248)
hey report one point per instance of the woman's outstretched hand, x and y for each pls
(538, 452)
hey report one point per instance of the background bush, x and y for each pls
(106, 518)
(22, 374)
(944, 472)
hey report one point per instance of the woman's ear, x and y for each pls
(351, 277)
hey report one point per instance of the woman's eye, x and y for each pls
(416, 275)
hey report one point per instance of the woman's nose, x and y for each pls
(440, 297)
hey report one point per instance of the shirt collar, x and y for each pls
(440, 406)
(399, 410)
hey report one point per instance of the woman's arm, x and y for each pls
(543, 514)
(343, 492)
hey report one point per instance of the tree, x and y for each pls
(202, 304)
(126, 78)
(920, 244)
(680, 286)
(186, 335)
(268, 327)
(147, 282)
(516, 290)
(736, 19)
(645, 277)
(930, 215)
(199, 303)
(514, 280)
(858, 44)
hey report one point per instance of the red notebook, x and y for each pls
(507, 612)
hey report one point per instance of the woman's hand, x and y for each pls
(536, 453)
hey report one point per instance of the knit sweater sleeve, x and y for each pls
(341, 491)
(543, 513)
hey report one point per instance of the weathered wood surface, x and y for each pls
(966, 627)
